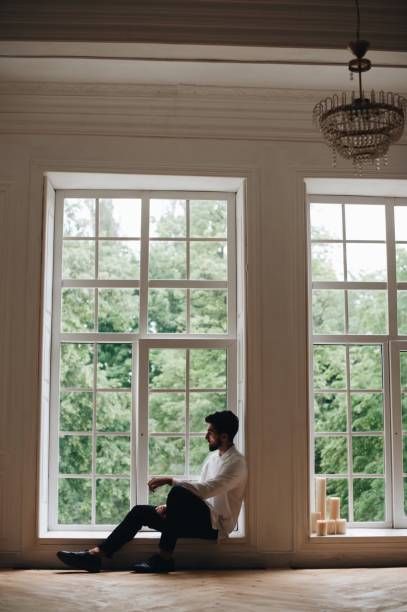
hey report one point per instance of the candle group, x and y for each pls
(326, 520)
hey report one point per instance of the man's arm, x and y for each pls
(155, 483)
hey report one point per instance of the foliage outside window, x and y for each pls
(144, 345)
(358, 263)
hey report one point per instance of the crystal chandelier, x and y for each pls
(361, 127)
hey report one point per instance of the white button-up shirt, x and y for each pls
(221, 485)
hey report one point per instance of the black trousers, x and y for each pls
(187, 516)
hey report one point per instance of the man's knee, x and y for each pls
(178, 494)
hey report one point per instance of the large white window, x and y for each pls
(358, 354)
(144, 344)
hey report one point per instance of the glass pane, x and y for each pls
(159, 496)
(79, 217)
(402, 312)
(167, 368)
(330, 411)
(113, 411)
(326, 221)
(365, 222)
(208, 260)
(118, 310)
(198, 452)
(166, 455)
(119, 217)
(331, 455)
(403, 369)
(201, 404)
(208, 218)
(366, 262)
(405, 495)
(119, 259)
(76, 365)
(405, 454)
(76, 410)
(368, 454)
(327, 262)
(167, 260)
(328, 311)
(114, 365)
(167, 218)
(367, 312)
(167, 311)
(113, 454)
(401, 262)
(78, 259)
(338, 487)
(400, 222)
(75, 454)
(329, 366)
(207, 369)
(74, 501)
(209, 311)
(112, 500)
(404, 410)
(365, 367)
(166, 412)
(78, 310)
(368, 499)
(367, 411)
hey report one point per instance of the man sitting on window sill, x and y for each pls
(206, 509)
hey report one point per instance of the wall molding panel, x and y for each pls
(165, 111)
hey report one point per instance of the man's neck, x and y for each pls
(223, 449)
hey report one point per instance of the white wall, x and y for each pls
(263, 135)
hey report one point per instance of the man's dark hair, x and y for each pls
(224, 422)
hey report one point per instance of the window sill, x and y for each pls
(97, 535)
(363, 533)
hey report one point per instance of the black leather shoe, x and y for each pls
(80, 560)
(154, 565)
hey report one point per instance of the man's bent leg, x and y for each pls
(187, 516)
(138, 517)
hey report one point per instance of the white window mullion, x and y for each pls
(134, 432)
(387, 423)
(143, 298)
(391, 271)
(400, 518)
(349, 436)
(142, 420)
(232, 268)
(55, 367)
(93, 507)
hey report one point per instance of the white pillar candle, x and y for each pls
(315, 516)
(340, 526)
(334, 507)
(322, 527)
(331, 527)
(320, 496)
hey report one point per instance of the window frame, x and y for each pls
(142, 339)
(390, 343)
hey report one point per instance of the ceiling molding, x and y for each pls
(159, 111)
(273, 23)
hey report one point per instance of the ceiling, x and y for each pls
(249, 23)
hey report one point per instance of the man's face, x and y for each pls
(213, 438)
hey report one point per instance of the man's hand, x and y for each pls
(161, 510)
(155, 483)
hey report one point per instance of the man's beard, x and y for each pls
(213, 447)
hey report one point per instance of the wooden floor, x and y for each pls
(239, 590)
